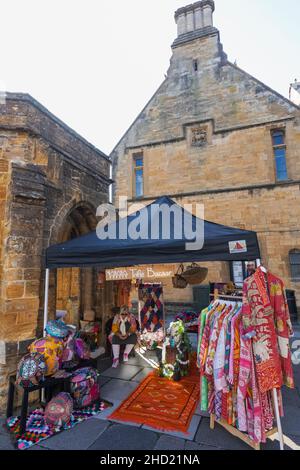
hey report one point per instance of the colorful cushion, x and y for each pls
(31, 370)
(57, 329)
(59, 410)
(52, 350)
(84, 387)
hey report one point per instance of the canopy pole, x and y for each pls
(46, 301)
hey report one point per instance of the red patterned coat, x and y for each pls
(266, 318)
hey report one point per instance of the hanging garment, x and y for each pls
(152, 315)
(266, 319)
(250, 417)
(203, 379)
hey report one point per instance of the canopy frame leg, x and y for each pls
(46, 301)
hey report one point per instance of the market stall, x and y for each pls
(221, 243)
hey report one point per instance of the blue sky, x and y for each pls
(95, 63)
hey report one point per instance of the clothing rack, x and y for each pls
(227, 297)
(233, 430)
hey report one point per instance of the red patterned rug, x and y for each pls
(161, 403)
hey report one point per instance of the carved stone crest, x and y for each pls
(199, 137)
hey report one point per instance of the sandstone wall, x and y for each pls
(51, 182)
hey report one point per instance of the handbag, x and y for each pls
(179, 282)
(195, 274)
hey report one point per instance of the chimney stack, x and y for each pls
(195, 20)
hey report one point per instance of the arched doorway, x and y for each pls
(75, 290)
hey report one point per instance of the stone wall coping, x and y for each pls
(26, 98)
(196, 34)
(194, 6)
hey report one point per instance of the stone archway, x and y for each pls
(72, 289)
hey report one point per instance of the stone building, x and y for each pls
(51, 182)
(213, 134)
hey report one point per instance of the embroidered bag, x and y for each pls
(59, 410)
(31, 370)
(84, 387)
(52, 350)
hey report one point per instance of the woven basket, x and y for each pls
(195, 274)
(179, 282)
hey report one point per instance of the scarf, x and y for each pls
(123, 326)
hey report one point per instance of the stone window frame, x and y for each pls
(282, 146)
(138, 156)
(294, 258)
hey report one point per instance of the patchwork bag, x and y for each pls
(84, 387)
(52, 350)
(81, 349)
(57, 329)
(31, 370)
(59, 410)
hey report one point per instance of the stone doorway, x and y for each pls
(76, 289)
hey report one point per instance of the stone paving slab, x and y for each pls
(6, 441)
(290, 398)
(137, 361)
(194, 446)
(141, 375)
(104, 364)
(190, 435)
(103, 380)
(117, 390)
(291, 420)
(218, 437)
(169, 443)
(122, 372)
(120, 437)
(81, 437)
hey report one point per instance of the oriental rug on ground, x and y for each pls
(37, 429)
(161, 403)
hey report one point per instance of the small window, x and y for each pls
(279, 148)
(278, 138)
(138, 175)
(295, 265)
(195, 65)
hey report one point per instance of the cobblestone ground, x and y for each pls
(101, 434)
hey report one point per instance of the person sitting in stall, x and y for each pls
(108, 329)
(124, 331)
